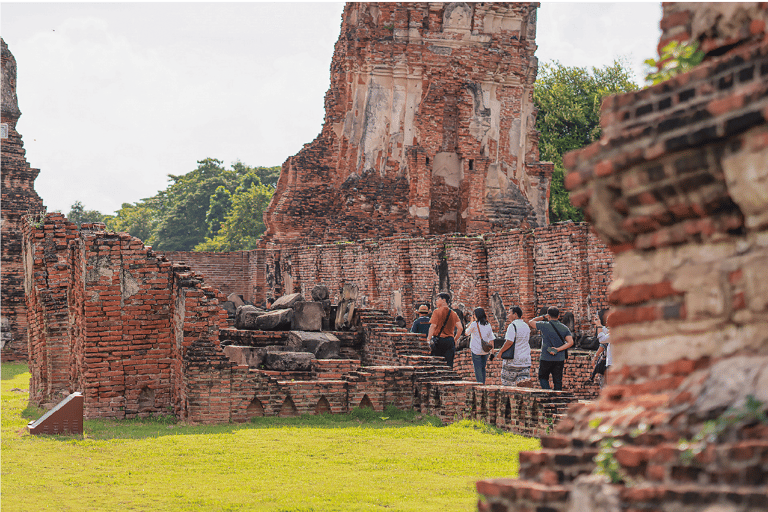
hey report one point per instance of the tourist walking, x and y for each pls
(555, 340)
(444, 328)
(421, 324)
(480, 331)
(516, 351)
(603, 357)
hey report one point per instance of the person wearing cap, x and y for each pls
(421, 324)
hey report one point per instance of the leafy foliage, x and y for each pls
(78, 214)
(244, 224)
(568, 100)
(675, 58)
(195, 207)
(219, 205)
(138, 219)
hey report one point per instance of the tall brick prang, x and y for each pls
(429, 128)
(18, 199)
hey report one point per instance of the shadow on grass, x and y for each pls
(11, 370)
(161, 426)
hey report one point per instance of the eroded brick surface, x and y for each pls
(429, 128)
(18, 199)
(677, 188)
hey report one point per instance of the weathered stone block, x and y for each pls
(245, 317)
(289, 361)
(230, 308)
(287, 301)
(235, 299)
(308, 316)
(279, 320)
(250, 356)
(322, 345)
(319, 293)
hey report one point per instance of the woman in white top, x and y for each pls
(479, 330)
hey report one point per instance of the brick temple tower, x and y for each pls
(429, 128)
(19, 198)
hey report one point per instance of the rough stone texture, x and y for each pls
(289, 361)
(252, 357)
(322, 345)
(246, 317)
(320, 293)
(280, 320)
(676, 187)
(308, 316)
(429, 128)
(18, 199)
(288, 301)
(235, 299)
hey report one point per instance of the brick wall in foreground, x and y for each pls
(677, 188)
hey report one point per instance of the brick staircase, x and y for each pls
(410, 349)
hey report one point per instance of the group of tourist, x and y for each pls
(444, 326)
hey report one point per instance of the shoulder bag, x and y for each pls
(487, 346)
(510, 352)
(433, 339)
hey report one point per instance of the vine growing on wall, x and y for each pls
(675, 58)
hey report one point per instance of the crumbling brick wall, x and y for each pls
(46, 284)
(564, 265)
(225, 271)
(677, 188)
(18, 199)
(429, 128)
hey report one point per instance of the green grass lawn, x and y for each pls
(365, 460)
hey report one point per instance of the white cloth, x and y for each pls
(602, 337)
(475, 330)
(522, 345)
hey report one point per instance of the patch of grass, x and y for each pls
(364, 460)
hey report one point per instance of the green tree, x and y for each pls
(219, 202)
(244, 225)
(184, 205)
(267, 175)
(568, 100)
(78, 214)
(137, 219)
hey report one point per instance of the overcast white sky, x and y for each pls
(115, 96)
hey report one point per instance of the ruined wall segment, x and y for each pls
(677, 187)
(564, 265)
(429, 128)
(18, 199)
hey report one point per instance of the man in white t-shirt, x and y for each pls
(516, 351)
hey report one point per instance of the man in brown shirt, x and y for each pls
(446, 318)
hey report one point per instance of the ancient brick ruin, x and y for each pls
(18, 199)
(678, 187)
(429, 128)
(564, 265)
(139, 335)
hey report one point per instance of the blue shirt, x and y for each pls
(421, 325)
(549, 338)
